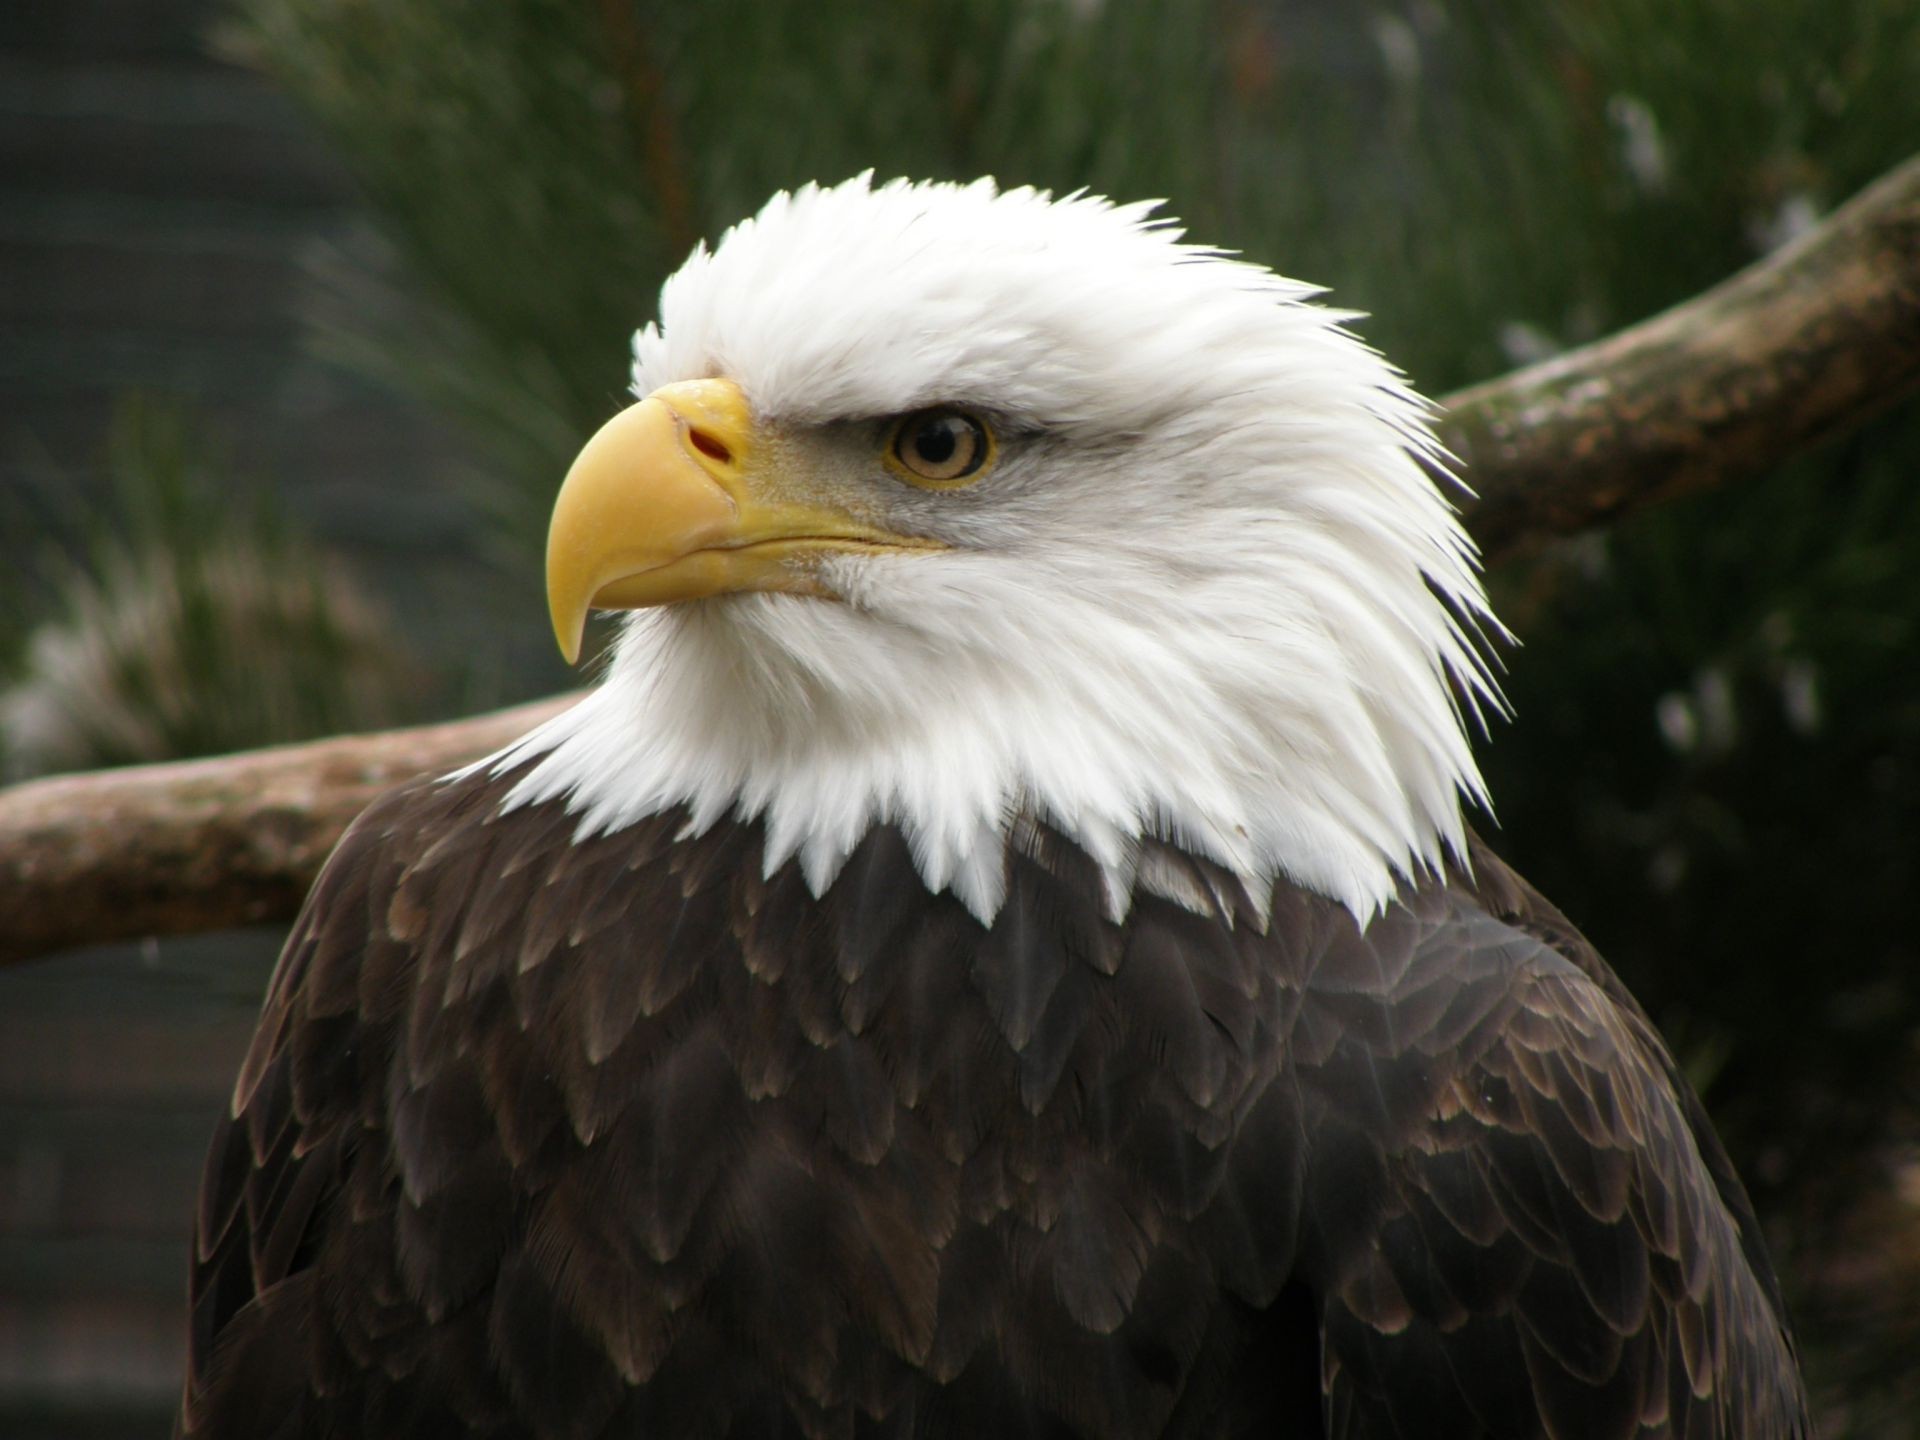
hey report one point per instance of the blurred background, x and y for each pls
(306, 304)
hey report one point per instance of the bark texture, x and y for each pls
(1806, 343)
(205, 844)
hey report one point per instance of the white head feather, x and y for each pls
(1220, 600)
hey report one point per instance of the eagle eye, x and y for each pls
(940, 447)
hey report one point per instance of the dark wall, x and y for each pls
(113, 1066)
(159, 210)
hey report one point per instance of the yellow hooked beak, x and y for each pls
(681, 497)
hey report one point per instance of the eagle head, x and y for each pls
(946, 505)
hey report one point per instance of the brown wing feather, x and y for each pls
(1552, 1242)
(1509, 897)
(623, 1137)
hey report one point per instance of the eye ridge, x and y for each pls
(941, 445)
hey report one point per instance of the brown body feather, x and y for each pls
(616, 1137)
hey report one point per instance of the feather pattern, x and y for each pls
(1063, 1175)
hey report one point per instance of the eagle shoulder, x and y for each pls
(1521, 1222)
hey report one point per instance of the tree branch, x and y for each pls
(205, 844)
(1810, 341)
(1806, 343)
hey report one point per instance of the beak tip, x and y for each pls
(569, 638)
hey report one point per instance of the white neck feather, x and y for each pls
(1223, 603)
(1237, 734)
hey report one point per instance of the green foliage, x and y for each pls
(194, 624)
(540, 165)
(1481, 174)
(1716, 764)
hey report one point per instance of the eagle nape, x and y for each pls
(1000, 950)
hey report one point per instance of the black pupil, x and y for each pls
(936, 441)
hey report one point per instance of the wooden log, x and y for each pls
(205, 844)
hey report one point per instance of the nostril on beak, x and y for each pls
(709, 444)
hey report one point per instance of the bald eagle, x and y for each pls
(999, 953)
